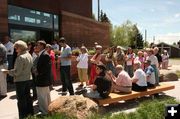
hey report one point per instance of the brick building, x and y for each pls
(49, 19)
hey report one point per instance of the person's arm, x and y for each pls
(134, 80)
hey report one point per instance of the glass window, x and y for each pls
(23, 16)
(56, 22)
(24, 35)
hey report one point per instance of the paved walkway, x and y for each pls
(8, 105)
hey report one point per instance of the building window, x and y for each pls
(24, 35)
(23, 16)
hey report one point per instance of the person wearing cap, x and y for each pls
(165, 59)
(96, 59)
(123, 81)
(102, 86)
(82, 66)
(119, 56)
(150, 74)
(154, 64)
(65, 66)
(139, 82)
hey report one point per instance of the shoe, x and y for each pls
(2, 96)
(81, 91)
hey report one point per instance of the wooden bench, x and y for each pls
(115, 97)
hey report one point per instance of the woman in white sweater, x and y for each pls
(83, 66)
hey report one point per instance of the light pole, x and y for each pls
(98, 9)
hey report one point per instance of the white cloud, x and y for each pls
(169, 38)
(152, 10)
(177, 15)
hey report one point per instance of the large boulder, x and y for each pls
(73, 106)
(169, 75)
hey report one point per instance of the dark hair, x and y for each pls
(103, 68)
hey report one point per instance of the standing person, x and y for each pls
(139, 82)
(3, 83)
(43, 80)
(109, 58)
(55, 45)
(159, 58)
(154, 63)
(140, 58)
(119, 56)
(165, 59)
(65, 67)
(129, 58)
(10, 49)
(22, 75)
(83, 66)
(52, 56)
(96, 59)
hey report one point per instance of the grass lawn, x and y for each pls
(148, 109)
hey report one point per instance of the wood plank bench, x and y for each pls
(115, 97)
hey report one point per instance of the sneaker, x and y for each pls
(81, 91)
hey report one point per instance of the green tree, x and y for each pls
(103, 17)
(127, 34)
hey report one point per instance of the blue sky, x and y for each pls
(161, 18)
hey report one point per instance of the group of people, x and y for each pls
(35, 62)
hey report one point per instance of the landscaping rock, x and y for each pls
(73, 106)
(169, 75)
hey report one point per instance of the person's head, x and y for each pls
(140, 54)
(119, 68)
(62, 42)
(129, 51)
(165, 52)
(6, 39)
(118, 49)
(101, 69)
(41, 45)
(150, 52)
(83, 49)
(98, 48)
(20, 46)
(156, 50)
(48, 47)
(137, 65)
(147, 63)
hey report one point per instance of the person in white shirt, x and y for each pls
(55, 45)
(10, 50)
(150, 75)
(83, 66)
(139, 82)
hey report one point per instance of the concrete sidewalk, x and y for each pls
(8, 105)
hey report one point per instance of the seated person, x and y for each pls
(102, 86)
(150, 74)
(123, 81)
(139, 82)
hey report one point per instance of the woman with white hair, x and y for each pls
(139, 82)
(22, 74)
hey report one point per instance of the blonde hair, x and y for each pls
(21, 44)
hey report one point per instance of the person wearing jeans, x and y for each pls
(65, 66)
